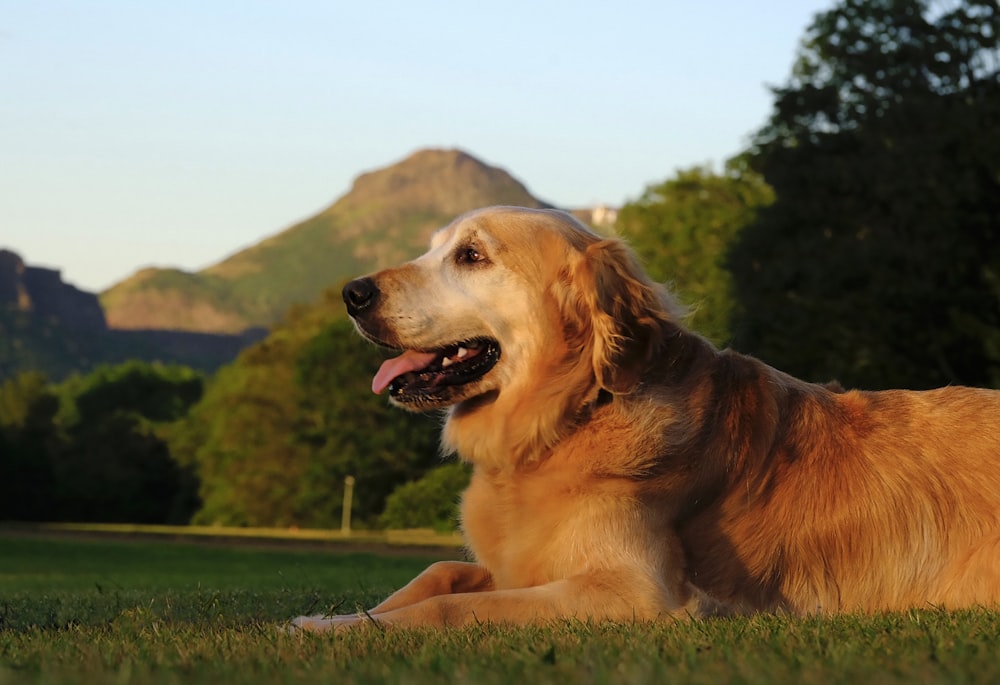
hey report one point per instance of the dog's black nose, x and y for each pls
(359, 294)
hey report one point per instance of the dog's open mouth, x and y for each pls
(434, 376)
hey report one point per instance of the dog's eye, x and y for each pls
(470, 255)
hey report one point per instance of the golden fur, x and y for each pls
(624, 469)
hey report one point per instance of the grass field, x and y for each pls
(77, 611)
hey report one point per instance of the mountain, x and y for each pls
(31, 289)
(50, 326)
(386, 217)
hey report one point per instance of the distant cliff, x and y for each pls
(50, 326)
(42, 293)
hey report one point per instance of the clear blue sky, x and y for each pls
(174, 133)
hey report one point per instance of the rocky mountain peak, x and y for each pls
(445, 181)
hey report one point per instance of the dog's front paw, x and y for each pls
(312, 624)
(323, 624)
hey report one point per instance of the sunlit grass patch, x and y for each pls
(143, 612)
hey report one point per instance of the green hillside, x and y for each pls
(41, 344)
(387, 216)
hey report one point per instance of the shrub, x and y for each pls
(430, 502)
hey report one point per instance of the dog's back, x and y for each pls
(829, 500)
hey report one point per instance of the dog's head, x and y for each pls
(520, 309)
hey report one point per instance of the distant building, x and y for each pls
(603, 216)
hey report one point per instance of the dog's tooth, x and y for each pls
(462, 353)
(446, 362)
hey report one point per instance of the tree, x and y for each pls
(429, 502)
(277, 431)
(682, 228)
(112, 462)
(27, 436)
(92, 448)
(879, 261)
(352, 431)
(239, 441)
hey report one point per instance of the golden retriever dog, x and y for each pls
(624, 469)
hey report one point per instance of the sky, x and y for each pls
(175, 133)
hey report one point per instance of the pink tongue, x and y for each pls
(393, 368)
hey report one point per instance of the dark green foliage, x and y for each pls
(353, 431)
(154, 393)
(682, 227)
(32, 343)
(92, 449)
(239, 440)
(429, 502)
(879, 263)
(27, 439)
(114, 464)
(279, 430)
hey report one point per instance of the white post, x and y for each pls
(345, 517)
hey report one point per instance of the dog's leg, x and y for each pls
(606, 595)
(441, 578)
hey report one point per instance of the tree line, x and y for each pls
(856, 239)
(94, 448)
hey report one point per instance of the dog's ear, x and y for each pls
(621, 313)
